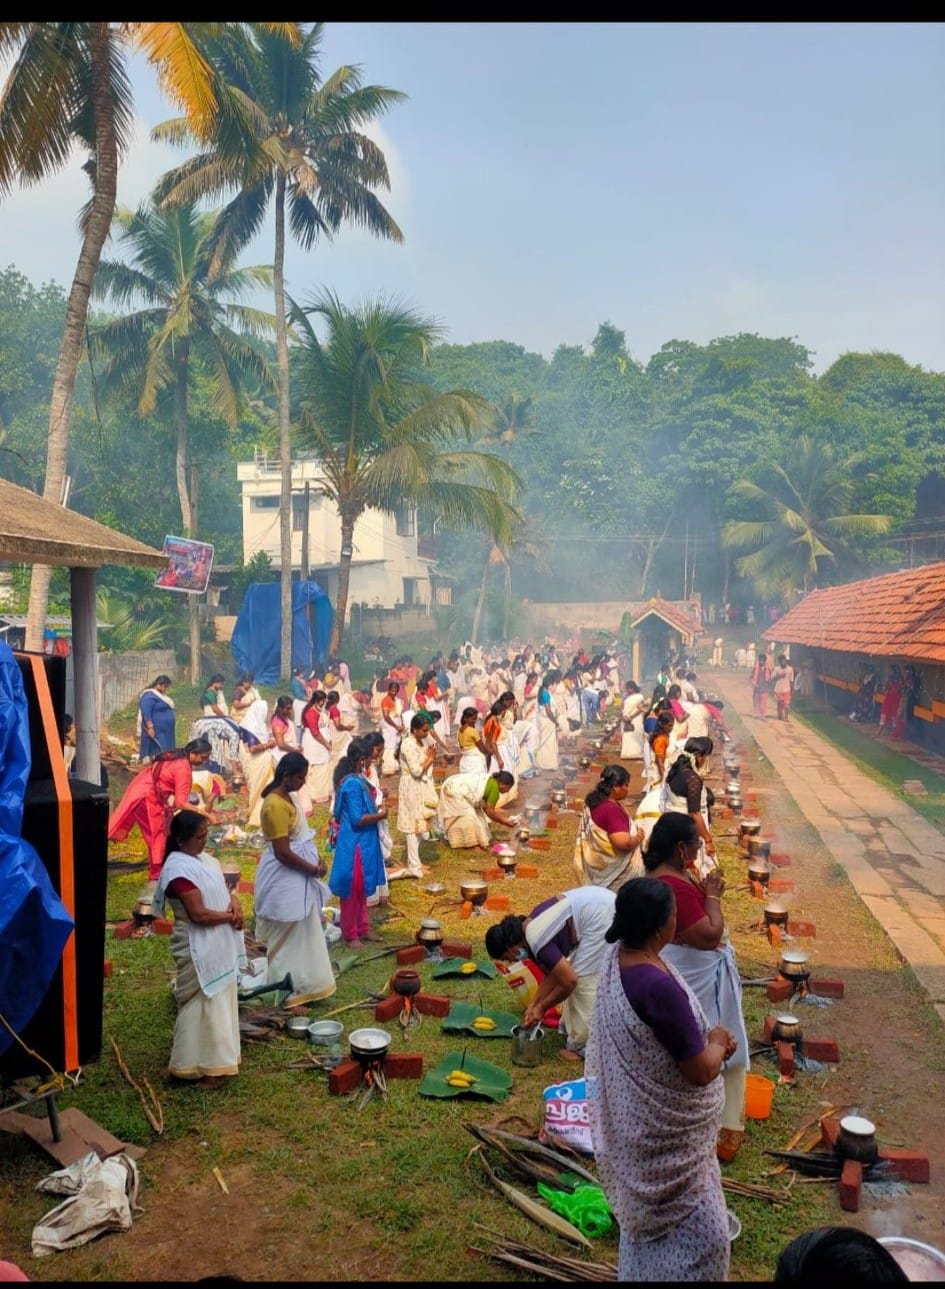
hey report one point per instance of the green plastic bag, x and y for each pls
(585, 1207)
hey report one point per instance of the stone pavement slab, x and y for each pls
(894, 858)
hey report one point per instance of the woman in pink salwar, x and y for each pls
(153, 796)
(655, 1097)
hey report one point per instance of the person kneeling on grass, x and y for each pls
(467, 803)
(565, 936)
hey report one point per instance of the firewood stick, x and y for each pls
(156, 1123)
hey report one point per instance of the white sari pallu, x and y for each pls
(596, 861)
(289, 916)
(206, 1034)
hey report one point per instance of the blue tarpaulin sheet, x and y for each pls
(255, 644)
(34, 922)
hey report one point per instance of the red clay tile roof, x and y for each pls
(898, 615)
(673, 614)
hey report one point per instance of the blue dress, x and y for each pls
(156, 709)
(353, 800)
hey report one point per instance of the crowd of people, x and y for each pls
(635, 959)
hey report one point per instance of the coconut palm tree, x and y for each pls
(191, 295)
(69, 87)
(805, 523)
(512, 419)
(298, 144)
(386, 437)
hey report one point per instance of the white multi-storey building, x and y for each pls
(386, 568)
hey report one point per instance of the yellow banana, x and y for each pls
(467, 968)
(484, 1022)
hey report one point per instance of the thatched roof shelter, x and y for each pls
(36, 531)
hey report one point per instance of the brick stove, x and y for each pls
(896, 1165)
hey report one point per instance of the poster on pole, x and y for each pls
(188, 566)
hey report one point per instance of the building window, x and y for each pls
(298, 513)
(410, 592)
(265, 503)
(406, 521)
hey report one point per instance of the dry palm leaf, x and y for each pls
(545, 1217)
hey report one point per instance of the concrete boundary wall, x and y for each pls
(122, 676)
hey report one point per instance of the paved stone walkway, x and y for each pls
(892, 855)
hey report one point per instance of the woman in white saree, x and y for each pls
(207, 947)
(289, 892)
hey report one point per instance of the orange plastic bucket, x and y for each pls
(759, 1096)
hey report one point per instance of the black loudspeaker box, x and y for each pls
(46, 1032)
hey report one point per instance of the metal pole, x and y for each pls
(304, 571)
(88, 762)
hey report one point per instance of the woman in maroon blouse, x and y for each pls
(701, 954)
(607, 836)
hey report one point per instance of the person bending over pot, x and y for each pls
(565, 936)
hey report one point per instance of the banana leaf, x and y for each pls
(461, 1017)
(492, 1082)
(453, 967)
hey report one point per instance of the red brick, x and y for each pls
(108, 968)
(826, 988)
(388, 1008)
(551, 822)
(774, 936)
(758, 891)
(821, 1049)
(540, 843)
(780, 991)
(456, 949)
(466, 911)
(498, 903)
(494, 874)
(830, 1130)
(406, 957)
(125, 930)
(785, 1060)
(769, 1027)
(801, 928)
(528, 870)
(780, 886)
(851, 1179)
(162, 926)
(344, 1078)
(403, 1065)
(245, 887)
(780, 860)
(909, 1165)
(432, 1004)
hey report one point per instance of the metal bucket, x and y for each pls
(527, 1044)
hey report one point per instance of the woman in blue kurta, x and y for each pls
(358, 865)
(157, 732)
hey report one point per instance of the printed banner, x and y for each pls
(188, 566)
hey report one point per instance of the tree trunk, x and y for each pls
(285, 440)
(507, 599)
(186, 492)
(344, 581)
(104, 188)
(480, 603)
(650, 547)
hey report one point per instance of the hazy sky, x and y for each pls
(682, 181)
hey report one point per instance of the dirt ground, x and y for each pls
(891, 1069)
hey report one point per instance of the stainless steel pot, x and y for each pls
(368, 1044)
(430, 934)
(759, 847)
(794, 964)
(475, 890)
(297, 1026)
(786, 1029)
(749, 826)
(857, 1139)
(759, 871)
(527, 1044)
(775, 914)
